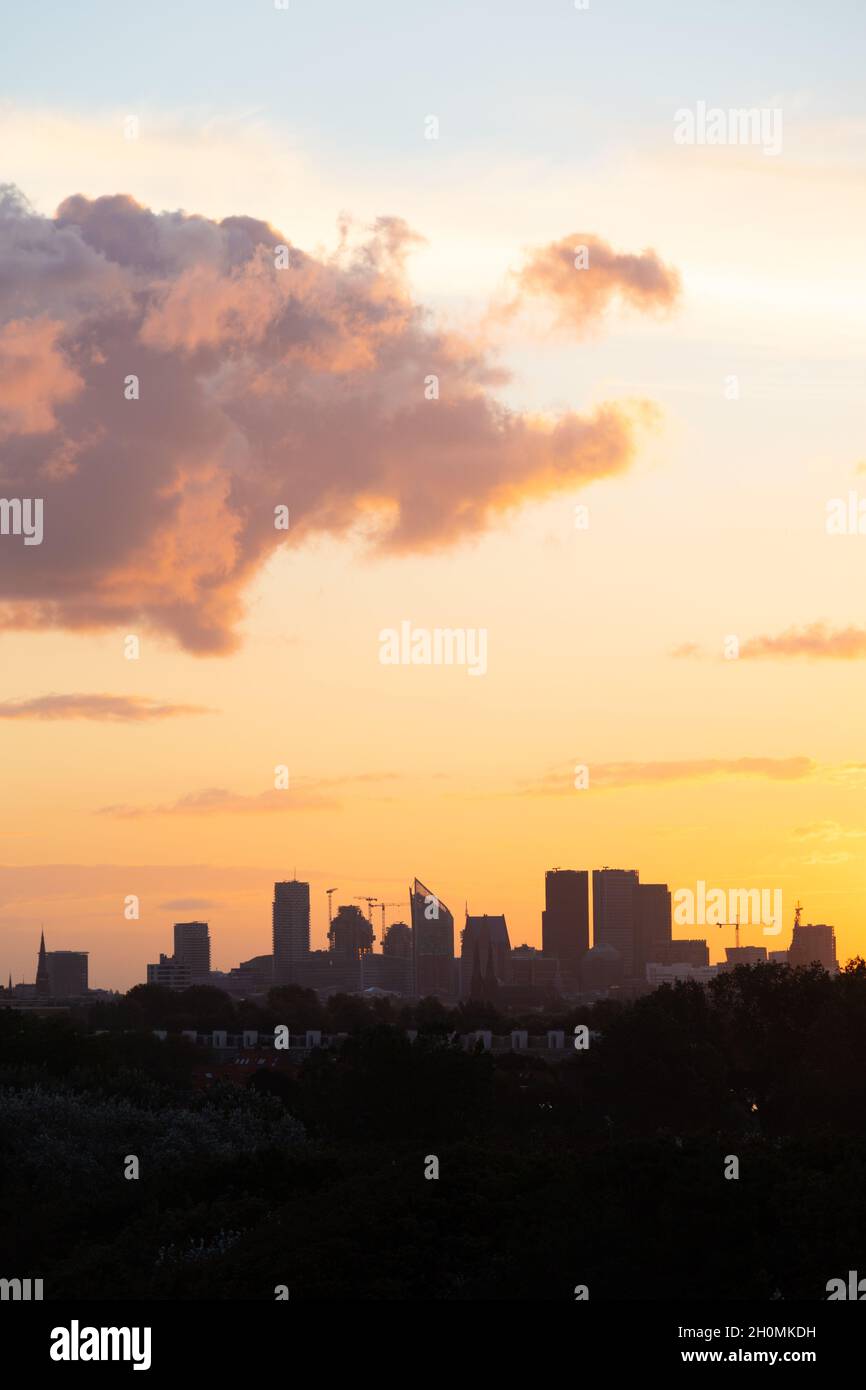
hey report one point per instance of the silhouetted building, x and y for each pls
(686, 951)
(814, 945)
(43, 984)
(67, 973)
(615, 914)
(350, 933)
(192, 948)
(653, 934)
(291, 928)
(432, 944)
(484, 940)
(565, 920)
(397, 941)
(601, 969)
(253, 976)
(745, 955)
(533, 976)
(170, 973)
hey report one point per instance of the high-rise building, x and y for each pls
(814, 945)
(565, 920)
(615, 914)
(484, 944)
(291, 925)
(67, 973)
(653, 934)
(432, 943)
(192, 948)
(350, 933)
(397, 941)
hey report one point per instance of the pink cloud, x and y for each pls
(259, 387)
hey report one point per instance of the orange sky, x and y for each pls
(714, 528)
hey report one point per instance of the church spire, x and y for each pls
(42, 984)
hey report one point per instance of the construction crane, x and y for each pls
(797, 910)
(359, 897)
(383, 906)
(737, 926)
(330, 892)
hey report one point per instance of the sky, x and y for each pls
(694, 638)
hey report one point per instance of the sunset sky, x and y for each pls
(608, 388)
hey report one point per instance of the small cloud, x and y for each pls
(302, 794)
(827, 832)
(581, 275)
(817, 640)
(686, 649)
(187, 905)
(605, 776)
(107, 708)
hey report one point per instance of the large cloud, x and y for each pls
(259, 387)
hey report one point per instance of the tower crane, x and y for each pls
(737, 926)
(330, 892)
(359, 897)
(383, 906)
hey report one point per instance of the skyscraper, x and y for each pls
(653, 935)
(291, 926)
(192, 948)
(67, 973)
(615, 914)
(432, 943)
(565, 919)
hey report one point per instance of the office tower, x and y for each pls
(43, 984)
(350, 933)
(192, 948)
(432, 943)
(565, 920)
(291, 919)
(811, 945)
(397, 941)
(484, 942)
(67, 973)
(170, 973)
(615, 914)
(653, 924)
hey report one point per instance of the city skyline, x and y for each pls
(637, 919)
(614, 476)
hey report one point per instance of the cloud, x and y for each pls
(604, 776)
(827, 832)
(686, 649)
(817, 640)
(302, 794)
(187, 905)
(111, 708)
(581, 276)
(259, 388)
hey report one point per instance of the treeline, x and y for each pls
(605, 1167)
